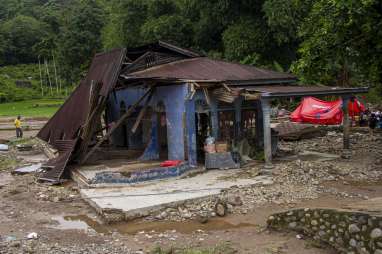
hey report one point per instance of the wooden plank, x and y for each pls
(226, 87)
(116, 125)
(141, 114)
(207, 96)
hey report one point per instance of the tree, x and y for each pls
(79, 39)
(245, 38)
(124, 23)
(20, 35)
(173, 28)
(341, 43)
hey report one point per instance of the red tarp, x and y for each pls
(313, 110)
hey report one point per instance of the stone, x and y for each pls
(353, 228)
(234, 200)
(292, 225)
(220, 209)
(353, 243)
(314, 223)
(378, 251)
(376, 233)
(363, 250)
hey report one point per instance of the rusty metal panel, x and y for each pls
(63, 129)
(206, 69)
(288, 91)
(73, 113)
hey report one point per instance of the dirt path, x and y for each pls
(63, 221)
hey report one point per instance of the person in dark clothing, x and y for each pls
(372, 122)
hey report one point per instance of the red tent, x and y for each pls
(313, 110)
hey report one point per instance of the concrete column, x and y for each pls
(266, 108)
(191, 132)
(346, 127)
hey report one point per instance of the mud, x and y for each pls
(84, 222)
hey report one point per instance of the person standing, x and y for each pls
(19, 131)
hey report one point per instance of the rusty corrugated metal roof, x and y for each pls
(289, 90)
(206, 69)
(62, 130)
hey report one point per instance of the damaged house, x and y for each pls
(160, 102)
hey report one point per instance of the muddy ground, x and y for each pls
(64, 223)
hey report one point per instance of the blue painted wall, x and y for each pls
(173, 98)
(180, 120)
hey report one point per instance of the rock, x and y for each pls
(314, 223)
(32, 235)
(353, 228)
(378, 251)
(220, 209)
(376, 233)
(234, 200)
(353, 243)
(163, 215)
(202, 219)
(292, 225)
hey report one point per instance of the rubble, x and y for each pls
(295, 180)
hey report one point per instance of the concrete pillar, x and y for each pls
(266, 108)
(191, 132)
(346, 127)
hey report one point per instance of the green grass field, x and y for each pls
(31, 108)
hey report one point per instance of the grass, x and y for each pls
(7, 162)
(31, 108)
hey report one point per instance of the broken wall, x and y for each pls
(173, 98)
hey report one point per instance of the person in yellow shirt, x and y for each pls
(19, 131)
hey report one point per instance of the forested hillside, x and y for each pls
(334, 42)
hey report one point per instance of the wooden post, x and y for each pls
(346, 127)
(266, 108)
(47, 72)
(39, 67)
(116, 125)
(141, 114)
(55, 72)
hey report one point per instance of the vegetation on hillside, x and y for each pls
(31, 108)
(332, 42)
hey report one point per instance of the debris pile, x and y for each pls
(293, 180)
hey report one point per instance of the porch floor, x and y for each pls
(129, 202)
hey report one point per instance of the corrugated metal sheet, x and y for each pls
(203, 68)
(287, 91)
(62, 130)
(67, 121)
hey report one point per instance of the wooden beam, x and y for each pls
(226, 87)
(116, 125)
(207, 96)
(141, 114)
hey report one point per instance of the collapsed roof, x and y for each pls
(72, 128)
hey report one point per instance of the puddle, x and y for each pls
(83, 222)
(78, 222)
